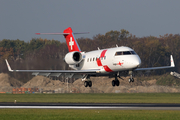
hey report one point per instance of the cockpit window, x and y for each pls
(132, 52)
(125, 53)
(119, 53)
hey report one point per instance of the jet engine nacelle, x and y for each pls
(73, 58)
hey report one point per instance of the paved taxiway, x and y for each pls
(90, 106)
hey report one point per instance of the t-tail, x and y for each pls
(70, 39)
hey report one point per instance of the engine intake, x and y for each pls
(73, 58)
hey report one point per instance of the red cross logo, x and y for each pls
(120, 63)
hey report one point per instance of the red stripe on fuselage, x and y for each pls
(107, 69)
(99, 63)
(103, 53)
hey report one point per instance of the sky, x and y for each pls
(21, 19)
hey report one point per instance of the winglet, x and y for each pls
(172, 62)
(9, 68)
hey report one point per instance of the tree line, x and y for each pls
(46, 54)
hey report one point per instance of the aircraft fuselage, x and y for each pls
(109, 60)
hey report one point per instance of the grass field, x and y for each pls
(94, 98)
(85, 114)
(69, 114)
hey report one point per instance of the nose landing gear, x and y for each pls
(115, 82)
(131, 79)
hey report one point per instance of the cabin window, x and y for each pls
(88, 60)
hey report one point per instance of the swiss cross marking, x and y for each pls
(71, 43)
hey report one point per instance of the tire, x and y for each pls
(129, 80)
(90, 83)
(113, 83)
(86, 83)
(132, 79)
(117, 82)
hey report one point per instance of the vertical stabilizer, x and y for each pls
(71, 41)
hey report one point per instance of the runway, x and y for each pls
(108, 106)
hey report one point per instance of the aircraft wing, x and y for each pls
(38, 72)
(156, 68)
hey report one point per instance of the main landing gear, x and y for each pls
(88, 83)
(115, 82)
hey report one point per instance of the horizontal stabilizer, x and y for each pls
(60, 33)
(82, 33)
(52, 33)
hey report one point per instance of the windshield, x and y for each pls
(125, 53)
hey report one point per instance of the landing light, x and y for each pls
(98, 71)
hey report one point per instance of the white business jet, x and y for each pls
(112, 62)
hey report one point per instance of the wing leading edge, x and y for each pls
(156, 68)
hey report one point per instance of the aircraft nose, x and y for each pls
(137, 62)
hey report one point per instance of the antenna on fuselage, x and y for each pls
(98, 48)
(116, 45)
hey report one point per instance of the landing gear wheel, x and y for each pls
(117, 82)
(90, 83)
(86, 83)
(113, 83)
(132, 80)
